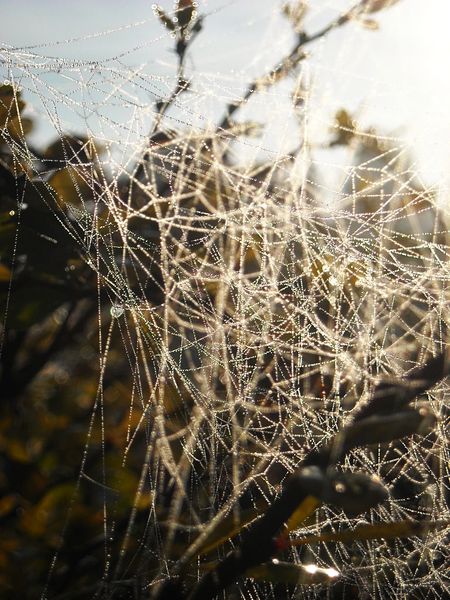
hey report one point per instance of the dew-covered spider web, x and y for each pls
(250, 246)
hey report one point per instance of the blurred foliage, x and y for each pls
(49, 368)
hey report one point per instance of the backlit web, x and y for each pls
(257, 266)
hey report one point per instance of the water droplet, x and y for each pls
(311, 569)
(116, 311)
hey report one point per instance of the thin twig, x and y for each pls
(295, 56)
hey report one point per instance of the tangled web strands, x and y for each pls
(250, 309)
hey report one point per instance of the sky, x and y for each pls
(102, 63)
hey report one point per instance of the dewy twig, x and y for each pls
(186, 30)
(285, 66)
(189, 26)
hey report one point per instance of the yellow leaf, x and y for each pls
(48, 512)
(303, 511)
(386, 531)
(68, 186)
(7, 503)
(18, 451)
(372, 6)
(369, 24)
(5, 273)
(284, 572)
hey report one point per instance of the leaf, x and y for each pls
(354, 493)
(345, 126)
(392, 394)
(5, 272)
(49, 512)
(386, 531)
(11, 105)
(304, 510)
(380, 429)
(185, 11)
(7, 504)
(284, 572)
(46, 239)
(164, 18)
(369, 24)
(373, 6)
(295, 12)
(18, 127)
(74, 150)
(5, 91)
(248, 128)
(70, 188)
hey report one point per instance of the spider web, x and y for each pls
(255, 280)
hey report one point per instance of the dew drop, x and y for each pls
(116, 311)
